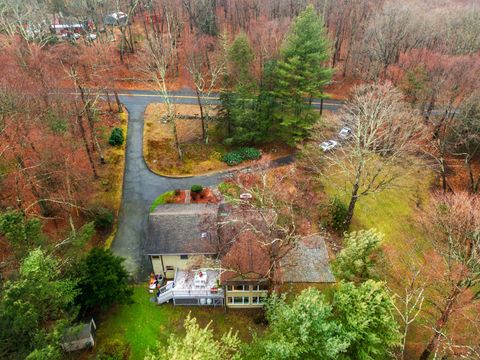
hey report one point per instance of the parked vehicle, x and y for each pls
(328, 145)
(70, 36)
(91, 37)
(345, 133)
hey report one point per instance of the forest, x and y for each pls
(244, 84)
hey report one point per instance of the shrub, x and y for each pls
(177, 192)
(116, 137)
(338, 213)
(240, 155)
(232, 158)
(249, 153)
(102, 217)
(356, 262)
(196, 189)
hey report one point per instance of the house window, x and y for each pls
(169, 268)
(155, 257)
(238, 300)
(261, 287)
(239, 288)
(257, 300)
(184, 257)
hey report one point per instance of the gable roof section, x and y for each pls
(178, 228)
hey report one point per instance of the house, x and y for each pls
(178, 232)
(79, 337)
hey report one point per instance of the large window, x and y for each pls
(184, 257)
(258, 300)
(237, 287)
(238, 300)
(260, 287)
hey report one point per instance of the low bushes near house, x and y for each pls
(165, 198)
(116, 137)
(196, 189)
(240, 155)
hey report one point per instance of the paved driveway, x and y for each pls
(141, 186)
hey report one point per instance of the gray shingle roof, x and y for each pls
(78, 332)
(307, 262)
(178, 229)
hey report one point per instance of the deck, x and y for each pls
(194, 288)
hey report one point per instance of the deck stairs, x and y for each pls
(166, 294)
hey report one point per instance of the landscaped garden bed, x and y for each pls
(195, 195)
(162, 157)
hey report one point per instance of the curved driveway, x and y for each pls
(141, 186)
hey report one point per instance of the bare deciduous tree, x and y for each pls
(384, 135)
(159, 63)
(265, 226)
(206, 72)
(453, 224)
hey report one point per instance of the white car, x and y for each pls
(345, 133)
(328, 145)
(70, 36)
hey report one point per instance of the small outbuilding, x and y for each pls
(79, 337)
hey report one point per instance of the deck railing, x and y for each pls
(197, 293)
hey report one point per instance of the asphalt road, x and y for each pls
(141, 186)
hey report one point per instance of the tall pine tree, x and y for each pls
(301, 74)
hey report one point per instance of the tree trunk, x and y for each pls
(91, 123)
(117, 99)
(202, 118)
(85, 142)
(443, 174)
(351, 205)
(441, 323)
(107, 94)
(471, 179)
(175, 137)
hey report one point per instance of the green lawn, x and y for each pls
(144, 323)
(390, 211)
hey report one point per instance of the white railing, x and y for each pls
(165, 296)
(197, 293)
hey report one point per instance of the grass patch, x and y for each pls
(390, 211)
(144, 323)
(162, 199)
